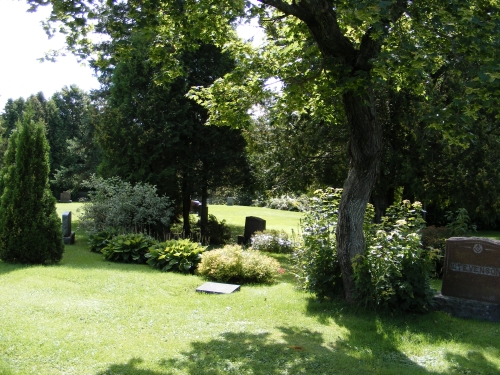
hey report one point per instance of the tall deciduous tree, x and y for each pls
(30, 230)
(325, 48)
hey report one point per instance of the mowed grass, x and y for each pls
(90, 316)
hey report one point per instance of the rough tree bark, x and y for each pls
(365, 132)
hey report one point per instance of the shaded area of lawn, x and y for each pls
(371, 346)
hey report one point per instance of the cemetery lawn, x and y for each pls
(90, 316)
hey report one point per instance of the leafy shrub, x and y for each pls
(128, 248)
(100, 240)
(218, 231)
(175, 255)
(435, 238)
(272, 241)
(315, 259)
(129, 208)
(232, 263)
(459, 223)
(393, 274)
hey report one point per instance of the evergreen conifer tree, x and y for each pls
(30, 230)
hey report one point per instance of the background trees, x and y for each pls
(69, 119)
(30, 230)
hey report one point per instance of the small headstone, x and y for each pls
(68, 235)
(218, 288)
(252, 224)
(230, 201)
(65, 197)
(471, 278)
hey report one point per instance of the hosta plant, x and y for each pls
(175, 255)
(100, 240)
(128, 248)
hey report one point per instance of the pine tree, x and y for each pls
(30, 230)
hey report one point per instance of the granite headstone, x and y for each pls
(252, 224)
(471, 279)
(68, 235)
(65, 197)
(472, 269)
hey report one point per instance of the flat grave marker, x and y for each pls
(218, 288)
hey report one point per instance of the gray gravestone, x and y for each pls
(471, 278)
(230, 201)
(218, 288)
(65, 197)
(252, 224)
(68, 235)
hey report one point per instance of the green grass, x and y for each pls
(90, 316)
(235, 217)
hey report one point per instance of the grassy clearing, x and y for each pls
(275, 219)
(89, 316)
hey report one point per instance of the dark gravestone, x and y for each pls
(218, 288)
(252, 224)
(65, 197)
(471, 278)
(68, 235)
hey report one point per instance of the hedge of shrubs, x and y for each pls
(230, 263)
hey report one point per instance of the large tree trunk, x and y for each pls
(365, 143)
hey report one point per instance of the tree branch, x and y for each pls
(288, 9)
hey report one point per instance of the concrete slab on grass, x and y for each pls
(217, 288)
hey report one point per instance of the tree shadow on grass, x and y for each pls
(366, 344)
(129, 368)
(431, 328)
(292, 351)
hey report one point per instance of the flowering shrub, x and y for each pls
(288, 203)
(315, 259)
(272, 241)
(394, 272)
(232, 263)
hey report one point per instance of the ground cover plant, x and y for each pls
(90, 316)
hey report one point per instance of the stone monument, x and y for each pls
(252, 224)
(471, 278)
(65, 197)
(68, 235)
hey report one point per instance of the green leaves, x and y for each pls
(232, 263)
(128, 248)
(30, 230)
(175, 255)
